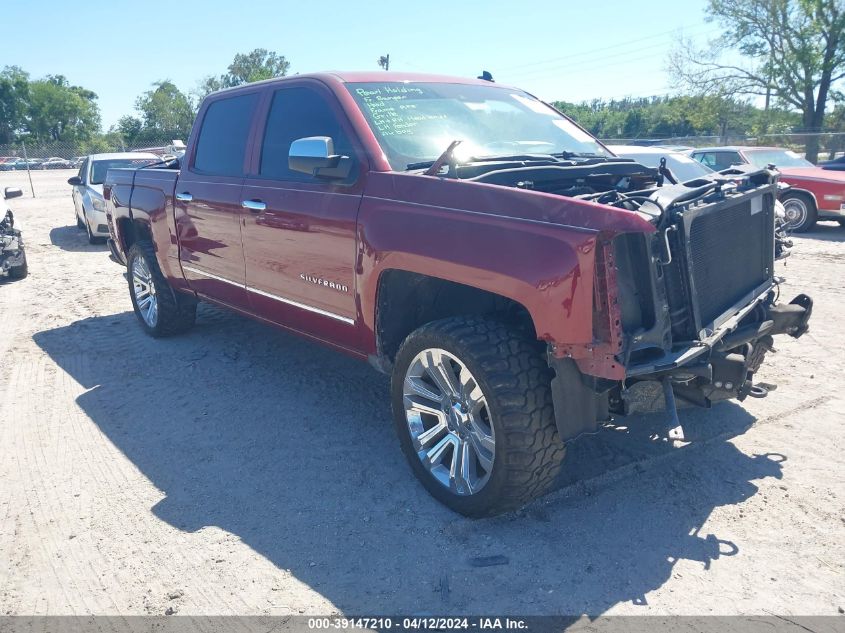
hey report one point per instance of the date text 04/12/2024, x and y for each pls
(417, 623)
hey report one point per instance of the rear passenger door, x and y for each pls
(299, 236)
(208, 200)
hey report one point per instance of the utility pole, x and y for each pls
(28, 173)
(384, 61)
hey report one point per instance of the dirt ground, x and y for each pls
(241, 470)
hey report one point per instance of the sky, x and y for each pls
(563, 50)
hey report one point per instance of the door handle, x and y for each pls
(184, 197)
(256, 206)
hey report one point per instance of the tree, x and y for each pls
(166, 111)
(257, 65)
(129, 128)
(795, 52)
(14, 102)
(59, 111)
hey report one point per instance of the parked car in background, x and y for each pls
(836, 164)
(518, 280)
(685, 169)
(13, 164)
(87, 193)
(36, 163)
(815, 193)
(56, 163)
(681, 165)
(76, 161)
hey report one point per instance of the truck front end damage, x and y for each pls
(687, 312)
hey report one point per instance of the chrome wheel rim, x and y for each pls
(795, 211)
(145, 292)
(449, 421)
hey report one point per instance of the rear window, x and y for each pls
(99, 168)
(223, 137)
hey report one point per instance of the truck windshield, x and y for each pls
(416, 122)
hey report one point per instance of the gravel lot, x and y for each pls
(241, 470)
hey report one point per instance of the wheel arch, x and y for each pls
(804, 192)
(407, 300)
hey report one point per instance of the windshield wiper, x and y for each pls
(567, 155)
(166, 161)
(447, 156)
(433, 167)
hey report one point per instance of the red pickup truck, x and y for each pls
(519, 282)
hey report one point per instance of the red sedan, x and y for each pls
(816, 193)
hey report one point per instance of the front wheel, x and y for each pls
(160, 310)
(92, 239)
(800, 211)
(473, 409)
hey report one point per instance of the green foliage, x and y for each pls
(128, 128)
(682, 116)
(45, 110)
(61, 112)
(166, 112)
(256, 65)
(14, 97)
(793, 53)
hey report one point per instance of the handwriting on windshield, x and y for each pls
(393, 111)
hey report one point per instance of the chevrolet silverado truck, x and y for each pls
(520, 283)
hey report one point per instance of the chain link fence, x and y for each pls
(68, 155)
(830, 144)
(33, 157)
(57, 154)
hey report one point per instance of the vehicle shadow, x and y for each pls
(70, 238)
(290, 447)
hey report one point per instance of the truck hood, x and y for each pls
(451, 195)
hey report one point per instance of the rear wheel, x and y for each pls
(800, 210)
(473, 409)
(160, 310)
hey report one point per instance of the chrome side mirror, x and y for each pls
(314, 155)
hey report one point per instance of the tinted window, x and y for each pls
(222, 141)
(297, 113)
(719, 160)
(99, 168)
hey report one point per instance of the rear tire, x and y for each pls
(801, 212)
(161, 311)
(514, 452)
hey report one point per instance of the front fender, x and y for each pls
(548, 270)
